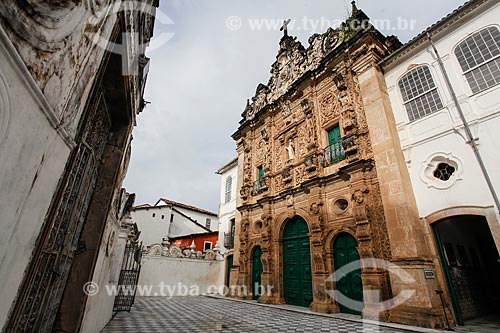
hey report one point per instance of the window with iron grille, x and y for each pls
(420, 95)
(229, 184)
(208, 222)
(479, 57)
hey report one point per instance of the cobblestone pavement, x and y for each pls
(204, 314)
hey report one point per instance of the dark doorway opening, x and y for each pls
(471, 265)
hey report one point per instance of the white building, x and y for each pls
(453, 198)
(227, 212)
(227, 206)
(172, 219)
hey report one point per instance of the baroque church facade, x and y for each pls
(323, 182)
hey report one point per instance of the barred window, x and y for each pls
(420, 95)
(479, 57)
(229, 184)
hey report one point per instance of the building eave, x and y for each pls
(233, 163)
(435, 30)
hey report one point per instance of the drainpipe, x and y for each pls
(471, 141)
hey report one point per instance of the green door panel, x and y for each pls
(351, 285)
(297, 276)
(257, 269)
(334, 135)
(229, 267)
(261, 172)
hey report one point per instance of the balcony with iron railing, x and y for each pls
(259, 186)
(228, 240)
(334, 153)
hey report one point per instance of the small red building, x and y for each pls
(203, 241)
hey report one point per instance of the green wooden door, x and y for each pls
(297, 277)
(336, 151)
(334, 135)
(256, 272)
(351, 286)
(228, 272)
(260, 171)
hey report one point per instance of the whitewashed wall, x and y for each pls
(154, 229)
(174, 271)
(227, 211)
(442, 133)
(201, 217)
(99, 308)
(32, 159)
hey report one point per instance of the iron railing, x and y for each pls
(334, 153)
(228, 240)
(259, 186)
(129, 276)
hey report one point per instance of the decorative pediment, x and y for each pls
(293, 60)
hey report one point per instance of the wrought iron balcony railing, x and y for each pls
(228, 240)
(332, 154)
(259, 186)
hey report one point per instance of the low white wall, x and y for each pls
(99, 307)
(168, 276)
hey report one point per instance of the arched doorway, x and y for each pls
(471, 265)
(351, 285)
(297, 280)
(256, 272)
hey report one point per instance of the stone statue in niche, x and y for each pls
(263, 132)
(286, 111)
(291, 150)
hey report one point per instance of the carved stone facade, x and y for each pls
(366, 193)
(74, 72)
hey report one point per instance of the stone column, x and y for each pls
(407, 239)
(321, 300)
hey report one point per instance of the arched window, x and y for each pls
(479, 57)
(229, 184)
(420, 95)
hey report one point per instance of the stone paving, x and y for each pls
(486, 324)
(204, 314)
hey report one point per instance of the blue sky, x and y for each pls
(200, 78)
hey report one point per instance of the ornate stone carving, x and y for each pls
(278, 154)
(315, 207)
(172, 251)
(329, 107)
(300, 175)
(286, 174)
(260, 99)
(311, 163)
(359, 195)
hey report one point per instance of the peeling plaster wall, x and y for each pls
(55, 44)
(32, 159)
(46, 75)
